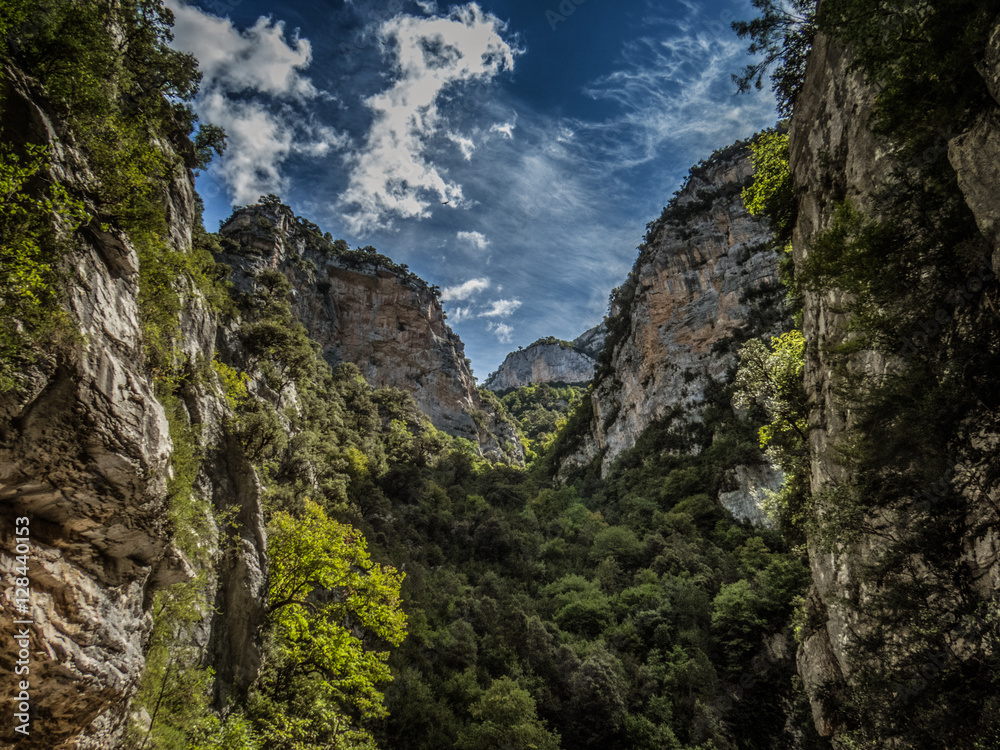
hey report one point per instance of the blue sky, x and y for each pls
(509, 151)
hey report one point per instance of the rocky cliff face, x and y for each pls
(835, 156)
(85, 457)
(832, 117)
(547, 361)
(361, 307)
(704, 275)
(591, 342)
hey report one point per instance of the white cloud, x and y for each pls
(254, 88)
(465, 145)
(393, 176)
(506, 129)
(504, 332)
(464, 291)
(459, 314)
(501, 308)
(476, 239)
(258, 143)
(257, 59)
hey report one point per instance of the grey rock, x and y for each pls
(591, 342)
(832, 155)
(84, 455)
(747, 501)
(975, 155)
(693, 284)
(387, 322)
(835, 156)
(543, 362)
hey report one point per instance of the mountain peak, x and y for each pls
(550, 360)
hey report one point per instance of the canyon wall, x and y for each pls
(706, 278)
(361, 307)
(85, 457)
(835, 157)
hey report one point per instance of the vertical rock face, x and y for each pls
(363, 308)
(975, 155)
(85, 455)
(833, 157)
(830, 119)
(545, 361)
(84, 458)
(704, 268)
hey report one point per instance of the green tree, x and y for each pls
(598, 699)
(505, 717)
(771, 195)
(175, 688)
(210, 139)
(333, 614)
(770, 378)
(738, 621)
(783, 34)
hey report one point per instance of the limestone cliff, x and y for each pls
(591, 342)
(361, 307)
(548, 360)
(835, 157)
(85, 451)
(831, 117)
(705, 276)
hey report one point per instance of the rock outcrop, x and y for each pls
(85, 453)
(835, 156)
(705, 277)
(591, 342)
(547, 360)
(361, 307)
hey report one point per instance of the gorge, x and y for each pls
(269, 507)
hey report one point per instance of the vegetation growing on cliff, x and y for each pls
(920, 299)
(770, 381)
(771, 194)
(34, 227)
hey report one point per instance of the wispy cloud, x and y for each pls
(564, 199)
(394, 176)
(464, 291)
(504, 332)
(476, 239)
(459, 314)
(254, 87)
(501, 308)
(570, 196)
(505, 129)
(675, 91)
